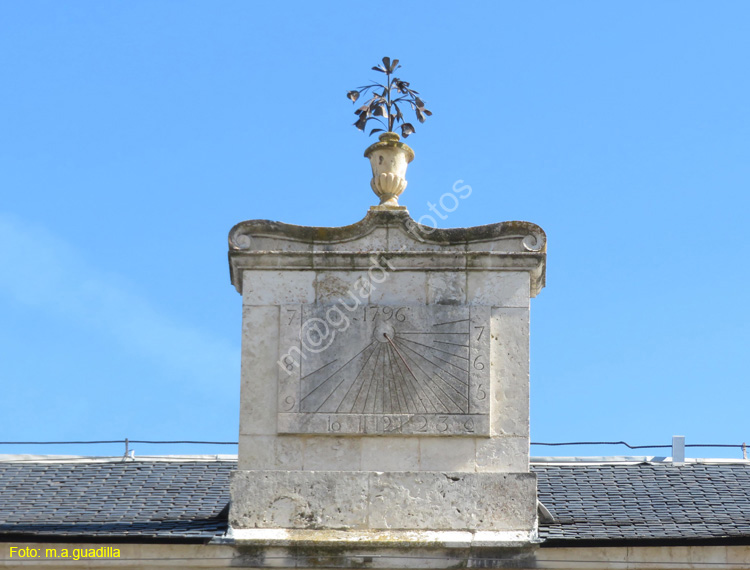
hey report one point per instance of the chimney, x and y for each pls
(678, 449)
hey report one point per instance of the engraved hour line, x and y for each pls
(401, 386)
(448, 362)
(384, 385)
(344, 378)
(438, 350)
(411, 403)
(452, 387)
(452, 343)
(385, 389)
(427, 386)
(393, 385)
(367, 383)
(319, 369)
(379, 384)
(440, 359)
(440, 393)
(373, 381)
(460, 409)
(423, 332)
(415, 386)
(337, 370)
(370, 381)
(395, 401)
(408, 389)
(361, 370)
(451, 322)
(402, 389)
(426, 391)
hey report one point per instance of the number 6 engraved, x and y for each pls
(480, 394)
(478, 365)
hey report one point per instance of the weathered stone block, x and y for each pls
(510, 372)
(446, 287)
(502, 455)
(390, 454)
(498, 288)
(447, 454)
(298, 499)
(349, 287)
(333, 454)
(260, 338)
(268, 452)
(278, 287)
(452, 501)
(399, 287)
(383, 501)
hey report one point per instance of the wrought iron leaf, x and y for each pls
(387, 63)
(361, 122)
(379, 111)
(399, 116)
(373, 131)
(353, 95)
(419, 102)
(427, 112)
(378, 68)
(401, 86)
(394, 65)
(407, 129)
(420, 116)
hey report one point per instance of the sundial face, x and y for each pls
(384, 370)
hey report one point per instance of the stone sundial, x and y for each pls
(397, 369)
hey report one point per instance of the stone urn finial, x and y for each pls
(389, 157)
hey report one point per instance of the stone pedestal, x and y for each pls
(385, 382)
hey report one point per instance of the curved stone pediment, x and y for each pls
(509, 246)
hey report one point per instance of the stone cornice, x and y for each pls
(407, 245)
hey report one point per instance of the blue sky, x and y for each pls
(133, 135)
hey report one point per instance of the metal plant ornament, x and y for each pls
(383, 106)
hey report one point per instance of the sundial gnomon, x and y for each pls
(382, 369)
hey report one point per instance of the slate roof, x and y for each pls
(182, 501)
(186, 501)
(645, 502)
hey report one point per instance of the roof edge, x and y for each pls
(30, 458)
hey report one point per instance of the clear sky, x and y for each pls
(133, 135)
